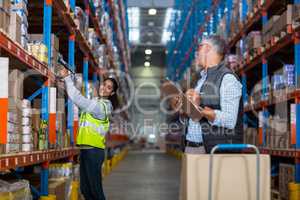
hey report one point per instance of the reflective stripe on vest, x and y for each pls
(92, 131)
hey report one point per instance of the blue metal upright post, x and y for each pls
(86, 75)
(72, 5)
(297, 100)
(47, 23)
(71, 61)
(265, 84)
(245, 96)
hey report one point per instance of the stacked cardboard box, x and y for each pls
(42, 140)
(36, 120)
(283, 21)
(278, 133)
(253, 41)
(15, 27)
(61, 122)
(38, 39)
(286, 175)
(268, 28)
(20, 7)
(27, 140)
(15, 94)
(4, 15)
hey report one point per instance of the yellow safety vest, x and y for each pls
(92, 131)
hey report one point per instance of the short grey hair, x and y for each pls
(218, 43)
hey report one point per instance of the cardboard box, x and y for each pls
(39, 37)
(251, 136)
(16, 82)
(57, 187)
(15, 27)
(36, 120)
(286, 175)
(234, 177)
(4, 20)
(5, 5)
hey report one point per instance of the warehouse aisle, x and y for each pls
(144, 176)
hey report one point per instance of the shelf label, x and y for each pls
(6, 162)
(16, 161)
(43, 156)
(24, 159)
(26, 57)
(18, 52)
(31, 158)
(38, 157)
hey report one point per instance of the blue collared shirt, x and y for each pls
(230, 94)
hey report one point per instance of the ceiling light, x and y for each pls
(150, 23)
(152, 136)
(148, 51)
(152, 11)
(147, 64)
(150, 34)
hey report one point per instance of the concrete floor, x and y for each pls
(144, 176)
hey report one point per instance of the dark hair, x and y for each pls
(114, 98)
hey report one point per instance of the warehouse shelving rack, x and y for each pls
(76, 42)
(260, 62)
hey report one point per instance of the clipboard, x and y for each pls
(168, 88)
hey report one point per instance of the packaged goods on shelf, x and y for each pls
(39, 50)
(286, 176)
(58, 170)
(283, 21)
(268, 29)
(18, 190)
(82, 21)
(251, 4)
(92, 38)
(253, 41)
(16, 82)
(289, 75)
(20, 7)
(5, 15)
(12, 117)
(36, 120)
(15, 27)
(278, 133)
(38, 38)
(101, 56)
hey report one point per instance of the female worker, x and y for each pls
(94, 124)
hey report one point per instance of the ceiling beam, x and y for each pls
(151, 3)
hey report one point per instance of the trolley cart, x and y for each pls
(220, 176)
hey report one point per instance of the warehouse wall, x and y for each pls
(146, 105)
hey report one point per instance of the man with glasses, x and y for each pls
(218, 92)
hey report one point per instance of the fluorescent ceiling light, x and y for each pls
(147, 64)
(134, 35)
(167, 26)
(134, 24)
(148, 51)
(151, 23)
(152, 11)
(152, 136)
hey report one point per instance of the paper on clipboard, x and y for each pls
(170, 89)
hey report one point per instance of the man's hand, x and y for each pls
(193, 96)
(209, 114)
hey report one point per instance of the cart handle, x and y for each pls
(234, 147)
